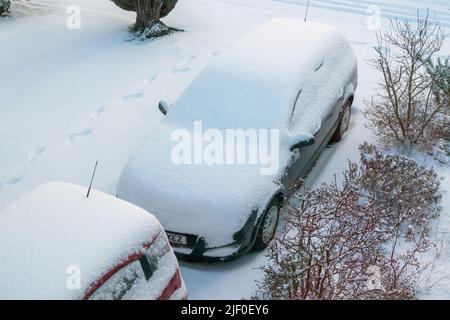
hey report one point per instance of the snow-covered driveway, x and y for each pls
(70, 97)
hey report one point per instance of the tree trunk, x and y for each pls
(4, 6)
(148, 15)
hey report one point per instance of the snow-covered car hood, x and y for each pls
(212, 201)
(54, 232)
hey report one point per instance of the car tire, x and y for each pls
(268, 225)
(344, 122)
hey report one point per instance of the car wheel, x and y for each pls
(267, 226)
(343, 123)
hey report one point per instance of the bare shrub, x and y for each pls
(404, 111)
(406, 192)
(355, 241)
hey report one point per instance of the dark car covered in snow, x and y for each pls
(292, 80)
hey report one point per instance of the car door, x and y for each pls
(304, 158)
(300, 157)
(298, 164)
(331, 120)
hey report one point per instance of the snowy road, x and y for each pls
(70, 97)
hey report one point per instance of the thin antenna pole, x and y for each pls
(92, 179)
(307, 9)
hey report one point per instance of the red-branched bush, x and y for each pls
(360, 240)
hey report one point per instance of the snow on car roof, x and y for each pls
(55, 227)
(255, 84)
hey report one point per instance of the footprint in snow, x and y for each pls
(182, 66)
(215, 53)
(97, 113)
(39, 152)
(191, 58)
(132, 96)
(11, 181)
(181, 70)
(76, 135)
(185, 62)
(152, 78)
(360, 43)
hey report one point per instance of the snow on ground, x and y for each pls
(70, 97)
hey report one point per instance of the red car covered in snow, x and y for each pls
(58, 244)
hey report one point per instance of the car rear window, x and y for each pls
(142, 277)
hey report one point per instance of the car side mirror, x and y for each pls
(304, 143)
(164, 107)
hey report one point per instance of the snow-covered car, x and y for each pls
(295, 77)
(57, 244)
